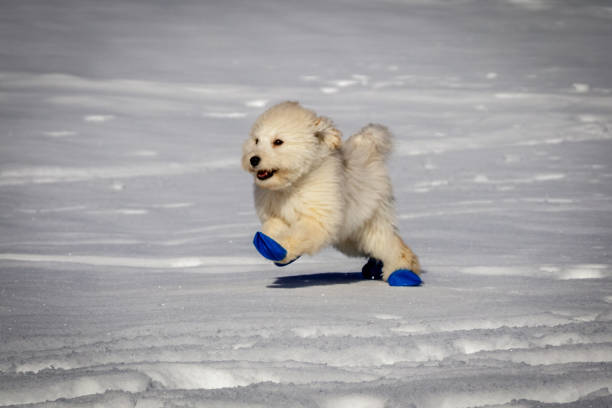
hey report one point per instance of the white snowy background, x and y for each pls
(127, 274)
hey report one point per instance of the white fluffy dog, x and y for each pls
(312, 190)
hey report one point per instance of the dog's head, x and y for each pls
(285, 142)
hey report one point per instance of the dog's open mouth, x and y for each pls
(265, 174)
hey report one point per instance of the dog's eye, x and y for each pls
(278, 142)
(256, 141)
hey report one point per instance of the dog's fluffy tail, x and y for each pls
(373, 142)
(367, 183)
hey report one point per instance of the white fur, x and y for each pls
(324, 192)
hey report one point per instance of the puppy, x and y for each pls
(312, 190)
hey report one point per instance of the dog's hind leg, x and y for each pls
(372, 269)
(407, 260)
(349, 248)
(380, 240)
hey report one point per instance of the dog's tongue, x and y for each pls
(262, 173)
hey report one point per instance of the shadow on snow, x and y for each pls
(317, 279)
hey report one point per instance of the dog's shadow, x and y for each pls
(317, 279)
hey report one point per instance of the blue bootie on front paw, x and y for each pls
(404, 277)
(270, 249)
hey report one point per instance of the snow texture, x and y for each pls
(127, 272)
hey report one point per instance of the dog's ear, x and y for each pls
(327, 132)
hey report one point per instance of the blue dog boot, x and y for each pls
(372, 269)
(269, 248)
(404, 277)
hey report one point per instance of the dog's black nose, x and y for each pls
(255, 161)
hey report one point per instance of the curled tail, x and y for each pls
(367, 183)
(373, 142)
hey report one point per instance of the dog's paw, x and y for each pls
(404, 277)
(272, 250)
(372, 270)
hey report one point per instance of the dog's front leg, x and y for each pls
(306, 236)
(269, 243)
(275, 228)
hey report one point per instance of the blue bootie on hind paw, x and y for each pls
(270, 249)
(404, 277)
(372, 270)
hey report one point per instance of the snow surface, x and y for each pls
(127, 273)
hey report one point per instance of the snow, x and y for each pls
(127, 273)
